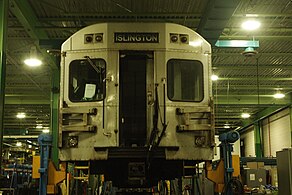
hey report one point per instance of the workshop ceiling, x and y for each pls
(246, 84)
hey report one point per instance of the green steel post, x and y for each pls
(55, 114)
(258, 139)
(290, 111)
(3, 38)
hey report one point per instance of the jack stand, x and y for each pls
(45, 142)
(227, 140)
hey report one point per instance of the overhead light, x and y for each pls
(39, 127)
(245, 115)
(29, 146)
(251, 25)
(18, 144)
(33, 59)
(279, 95)
(46, 130)
(20, 115)
(251, 15)
(33, 62)
(214, 77)
(249, 52)
(226, 126)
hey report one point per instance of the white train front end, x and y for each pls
(135, 101)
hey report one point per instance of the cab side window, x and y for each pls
(86, 80)
(185, 80)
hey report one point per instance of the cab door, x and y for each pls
(133, 98)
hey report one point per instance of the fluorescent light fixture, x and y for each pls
(226, 126)
(46, 130)
(237, 43)
(251, 25)
(279, 95)
(214, 77)
(245, 115)
(33, 62)
(18, 144)
(29, 146)
(251, 15)
(20, 115)
(39, 127)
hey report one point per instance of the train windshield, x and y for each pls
(86, 80)
(185, 80)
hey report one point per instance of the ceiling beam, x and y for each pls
(259, 31)
(127, 14)
(252, 87)
(27, 100)
(248, 105)
(247, 66)
(253, 100)
(26, 16)
(216, 15)
(262, 115)
(244, 95)
(20, 136)
(250, 78)
(258, 37)
(265, 15)
(218, 54)
(93, 17)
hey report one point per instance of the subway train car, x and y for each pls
(135, 101)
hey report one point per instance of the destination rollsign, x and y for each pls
(133, 37)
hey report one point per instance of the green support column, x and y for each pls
(258, 139)
(55, 114)
(290, 111)
(3, 38)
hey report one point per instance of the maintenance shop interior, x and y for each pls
(156, 97)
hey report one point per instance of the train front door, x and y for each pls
(133, 104)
